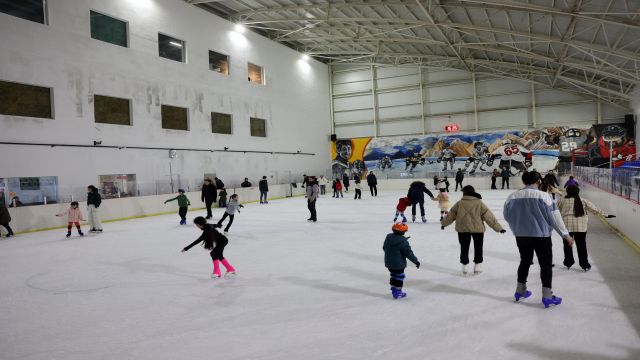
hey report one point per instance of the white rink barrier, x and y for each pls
(627, 212)
(43, 217)
(479, 183)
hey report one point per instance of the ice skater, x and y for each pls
(443, 203)
(574, 214)
(5, 216)
(233, 206)
(74, 216)
(183, 206)
(470, 214)
(337, 188)
(396, 252)
(345, 182)
(358, 187)
(416, 192)
(222, 199)
(403, 203)
(212, 240)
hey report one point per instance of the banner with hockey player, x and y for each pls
(348, 156)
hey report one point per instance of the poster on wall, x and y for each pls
(478, 153)
(605, 142)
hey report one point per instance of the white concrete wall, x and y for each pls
(447, 96)
(627, 212)
(63, 56)
(30, 218)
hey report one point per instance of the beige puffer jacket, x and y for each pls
(470, 214)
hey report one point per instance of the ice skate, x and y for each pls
(226, 232)
(229, 274)
(68, 234)
(586, 269)
(553, 300)
(92, 230)
(80, 233)
(215, 276)
(465, 269)
(477, 269)
(424, 219)
(397, 292)
(404, 220)
(519, 296)
(100, 230)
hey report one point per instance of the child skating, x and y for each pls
(358, 187)
(233, 206)
(403, 203)
(183, 206)
(74, 216)
(396, 252)
(212, 240)
(443, 202)
(337, 188)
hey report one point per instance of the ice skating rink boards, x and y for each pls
(307, 291)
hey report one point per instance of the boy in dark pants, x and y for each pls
(183, 206)
(396, 252)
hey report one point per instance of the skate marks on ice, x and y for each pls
(37, 283)
(330, 285)
(539, 352)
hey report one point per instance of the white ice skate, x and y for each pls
(465, 269)
(226, 232)
(230, 275)
(477, 269)
(215, 276)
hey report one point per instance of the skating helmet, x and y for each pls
(400, 227)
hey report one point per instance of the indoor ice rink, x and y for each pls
(125, 125)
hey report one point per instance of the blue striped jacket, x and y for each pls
(533, 213)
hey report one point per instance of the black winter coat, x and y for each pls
(416, 192)
(94, 198)
(209, 193)
(459, 176)
(552, 180)
(219, 184)
(5, 217)
(396, 252)
(345, 180)
(211, 238)
(372, 180)
(263, 185)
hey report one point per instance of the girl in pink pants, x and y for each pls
(212, 240)
(74, 216)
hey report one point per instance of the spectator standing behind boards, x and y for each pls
(5, 217)
(571, 182)
(245, 183)
(93, 203)
(263, 186)
(209, 195)
(532, 215)
(345, 182)
(505, 174)
(459, 178)
(312, 196)
(470, 214)
(15, 200)
(574, 213)
(372, 181)
(323, 182)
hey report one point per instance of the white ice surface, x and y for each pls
(306, 291)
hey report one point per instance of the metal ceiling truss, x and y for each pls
(591, 48)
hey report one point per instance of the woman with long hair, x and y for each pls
(574, 213)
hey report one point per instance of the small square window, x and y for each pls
(174, 118)
(221, 123)
(219, 62)
(111, 110)
(171, 48)
(258, 127)
(33, 10)
(256, 74)
(25, 100)
(108, 29)
(30, 183)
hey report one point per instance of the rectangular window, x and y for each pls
(108, 29)
(30, 183)
(118, 185)
(256, 74)
(25, 100)
(174, 118)
(258, 127)
(218, 62)
(22, 191)
(220, 123)
(111, 110)
(171, 48)
(33, 10)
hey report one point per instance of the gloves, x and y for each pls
(417, 264)
(610, 216)
(503, 231)
(441, 227)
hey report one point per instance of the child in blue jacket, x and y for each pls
(396, 252)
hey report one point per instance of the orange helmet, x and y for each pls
(400, 227)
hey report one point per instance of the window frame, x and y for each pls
(51, 101)
(130, 101)
(184, 48)
(265, 126)
(228, 62)
(230, 123)
(45, 14)
(126, 24)
(175, 106)
(263, 78)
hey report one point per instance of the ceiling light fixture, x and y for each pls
(240, 28)
(305, 57)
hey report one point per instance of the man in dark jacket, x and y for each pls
(396, 252)
(459, 178)
(209, 195)
(345, 181)
(5, 217)
(219, 184)
(552, 179)
(372, 181)
(505, 174)
(417, 189)
(245, 183)
(264, 189)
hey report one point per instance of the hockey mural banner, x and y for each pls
(605, 142)
(475, 153)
